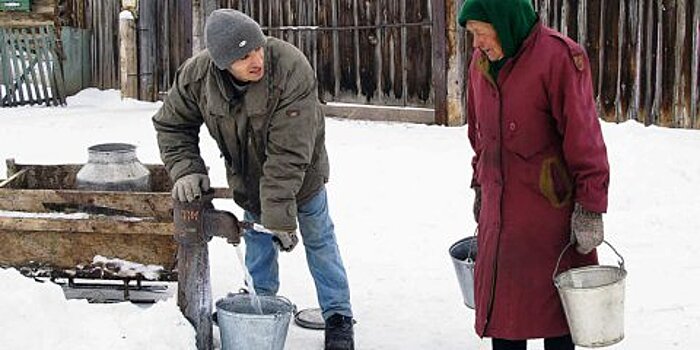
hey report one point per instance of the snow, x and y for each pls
(68, 216)
(128, 269)
(24, 214)
(399, 197)
(126, 15)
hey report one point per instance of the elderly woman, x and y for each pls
(540, 170)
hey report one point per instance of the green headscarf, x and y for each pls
(512, 19)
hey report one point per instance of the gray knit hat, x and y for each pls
(230, 35)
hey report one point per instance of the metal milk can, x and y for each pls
(113, 167)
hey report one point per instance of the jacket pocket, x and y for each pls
(555, 182)
(540, 165)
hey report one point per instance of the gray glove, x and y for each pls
(190, 187)
(285, 240)
(477, 203)
(586, 229)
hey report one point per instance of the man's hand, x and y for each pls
(477, 203)
(586, 229)
(285, 240)
(190, 187)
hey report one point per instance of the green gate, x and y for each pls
(31, 71)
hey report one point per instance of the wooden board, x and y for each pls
(37, 237)
(152, 205)
(62, 176)
(66, 253)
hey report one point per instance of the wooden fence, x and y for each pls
(30, 68)
(644, 53)
(164, 36)
(364, 52)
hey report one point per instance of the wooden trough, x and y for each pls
(50, 229)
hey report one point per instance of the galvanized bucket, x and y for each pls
(463, 254)
(593, 298)
(242, 328)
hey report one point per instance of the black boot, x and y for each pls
(339, 333)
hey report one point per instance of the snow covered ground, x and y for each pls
(399, 197)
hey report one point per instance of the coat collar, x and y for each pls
(483, 63)
(526, 45)
(255, 99)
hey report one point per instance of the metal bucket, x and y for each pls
(463, 254)
(242, 328)
(593, 298)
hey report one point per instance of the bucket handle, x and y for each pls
(621, 263)
(476, 233)
(294, 306)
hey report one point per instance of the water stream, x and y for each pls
(254, 299)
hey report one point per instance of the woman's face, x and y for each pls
(486, 39)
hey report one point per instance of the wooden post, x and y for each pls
(147, 50)
(695, 67)
(128, 74)
(439, 61)
(198, 20)
(183, 32)
(456, 67)
(201, 9)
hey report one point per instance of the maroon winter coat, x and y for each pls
(538, 149)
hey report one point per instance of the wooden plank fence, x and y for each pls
(644, 53)
(102, 19)
(368, 52)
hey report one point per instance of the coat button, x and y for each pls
(512, 126)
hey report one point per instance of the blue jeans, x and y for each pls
(322, 256)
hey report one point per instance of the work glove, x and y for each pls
(477, 203)
(586, 229)
(285, 240)
(190, 187)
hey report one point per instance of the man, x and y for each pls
(540, 170)
(257, 96)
